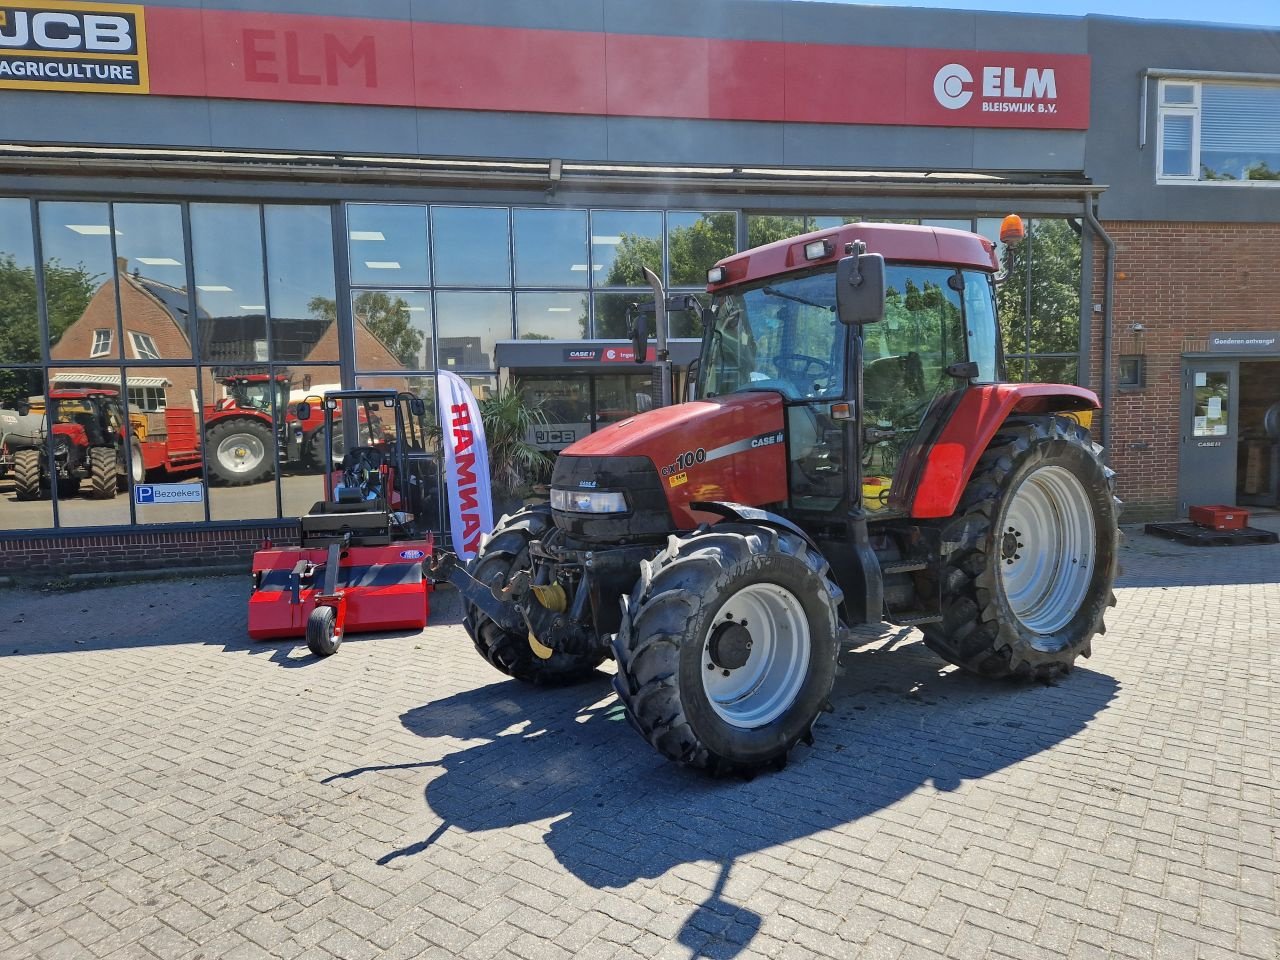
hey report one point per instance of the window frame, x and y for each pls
(1194, 110)
(144, 346)
(102, 345)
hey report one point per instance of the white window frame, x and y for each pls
(144, 346)
(102, 340)
(1192, 110)
(148, 399)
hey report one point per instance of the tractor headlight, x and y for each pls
(589, 501)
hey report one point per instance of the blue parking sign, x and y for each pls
(144, 493)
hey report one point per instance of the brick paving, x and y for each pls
(170, 789)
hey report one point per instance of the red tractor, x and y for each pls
(849, 455)
(89, 443)
(240, 430)
(240, 434)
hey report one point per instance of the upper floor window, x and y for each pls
(1222, 132)
(144, 347)
(101, 343)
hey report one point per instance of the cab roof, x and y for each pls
(895, 242)
(81, 394)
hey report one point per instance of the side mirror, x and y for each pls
(860, 289)
(418, 406)
(639, 333)
(302, 411)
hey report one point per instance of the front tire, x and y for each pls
(26, 474)
(1026, 591)
(506, 551)
(728, 645)
(104, 473)
(321, 638)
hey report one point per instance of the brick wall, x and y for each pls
(53, 555)
(1180, 281)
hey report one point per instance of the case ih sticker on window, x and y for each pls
(55, 45)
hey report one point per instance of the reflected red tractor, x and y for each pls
(89, 442)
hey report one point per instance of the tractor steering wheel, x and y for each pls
(796, 366)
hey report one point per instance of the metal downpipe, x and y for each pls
(1108, 291)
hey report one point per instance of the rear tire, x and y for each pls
(321, 639)
(137, 469)
(703, 687)
(104, 473)
(507, 550)
(240, 451)
(1025, 592)
(26, 474)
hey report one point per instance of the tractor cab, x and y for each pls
(254, 392)
(382, 488)
(93, 414)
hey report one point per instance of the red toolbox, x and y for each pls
(1220, 517)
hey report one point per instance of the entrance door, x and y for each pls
(1210, 409)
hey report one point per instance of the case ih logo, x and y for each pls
(1004, 89)
(73, 46)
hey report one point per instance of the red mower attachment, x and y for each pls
(359, 566)
(321, 593)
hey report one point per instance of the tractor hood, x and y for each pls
(727, 448)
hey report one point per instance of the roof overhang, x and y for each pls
(80, 160)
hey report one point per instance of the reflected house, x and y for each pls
(463, 353)
(156, 323)
(373, 352)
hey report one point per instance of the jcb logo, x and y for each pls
(27, 28)
(58, 45)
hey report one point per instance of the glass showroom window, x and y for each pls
(1220, 132)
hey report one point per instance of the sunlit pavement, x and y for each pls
(170, 789)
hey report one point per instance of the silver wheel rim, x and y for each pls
(241, 452)
(1045, 549)
(135, 464)
(763, 687)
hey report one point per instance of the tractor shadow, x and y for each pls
(902, 722)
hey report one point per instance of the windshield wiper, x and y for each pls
(775, 292)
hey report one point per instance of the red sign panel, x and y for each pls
(287, 57)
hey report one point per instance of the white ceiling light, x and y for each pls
(382, 264)
(416, 309)
(579, 266)
(253, 306)
(92, 229)
(609, 241)
(366, 235)
(213, 287)
(159, 261)
(558, 309)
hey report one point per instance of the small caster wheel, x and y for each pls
(321, 639)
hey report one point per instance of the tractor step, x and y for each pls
(914, 618)
(904, 566)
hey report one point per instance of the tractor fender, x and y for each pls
(950, 461)
(728, 510)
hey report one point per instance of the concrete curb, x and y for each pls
(166, 573)
(111, 578)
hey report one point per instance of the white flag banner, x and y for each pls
(466, 464)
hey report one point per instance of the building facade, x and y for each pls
(206, 207)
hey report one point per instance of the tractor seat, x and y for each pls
(361, 479)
